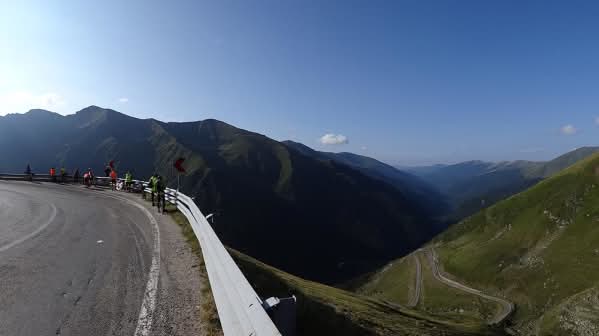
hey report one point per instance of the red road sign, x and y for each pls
(178, 165)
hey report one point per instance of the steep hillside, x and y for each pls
(473, 185)
(427, 195)
(556, 165)
(538, 249)
(324, 310)
(322, 220)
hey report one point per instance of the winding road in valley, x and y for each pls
(506, 306)
(75, 261)
(416, 294)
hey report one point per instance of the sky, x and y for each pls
(407, 82)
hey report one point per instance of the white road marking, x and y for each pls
(32, 234)
(148, 305)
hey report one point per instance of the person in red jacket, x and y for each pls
(53, 174)
(113, 178)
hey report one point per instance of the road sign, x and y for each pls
(179, 165)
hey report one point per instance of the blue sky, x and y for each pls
(407, 82)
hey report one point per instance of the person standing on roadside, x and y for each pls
(160, 188)
(29, 173)
(128, 181)
(53, 174)
(113, 178)
(63, 174)
(153, 187)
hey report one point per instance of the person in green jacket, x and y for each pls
(128, 181)
(160, 188)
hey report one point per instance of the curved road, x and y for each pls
(75, 261)
(416, 295)
(506, 306)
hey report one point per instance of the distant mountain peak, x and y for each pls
(41, 112)
(96, 109)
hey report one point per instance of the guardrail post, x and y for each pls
(283, 313)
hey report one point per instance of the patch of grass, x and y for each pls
(578, 315)
(396, 283)
(208, 312)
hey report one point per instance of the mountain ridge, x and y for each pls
(324, 221)
(473, 185)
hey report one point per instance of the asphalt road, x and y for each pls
(75, 261)
(506, 306)
(418, 282)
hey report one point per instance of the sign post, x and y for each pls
(179, 166)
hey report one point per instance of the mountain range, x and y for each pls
(473, 185)
(320, 219)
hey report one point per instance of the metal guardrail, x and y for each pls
(240, 309)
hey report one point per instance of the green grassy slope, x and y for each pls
(324, 310)
(540, 248)
(559, 163)
(443, 300)
(396, 282)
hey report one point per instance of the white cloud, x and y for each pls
(23, 101)
(364, 148)
(568, 130)
(333, 139)
(597, 121)
(124, 100)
